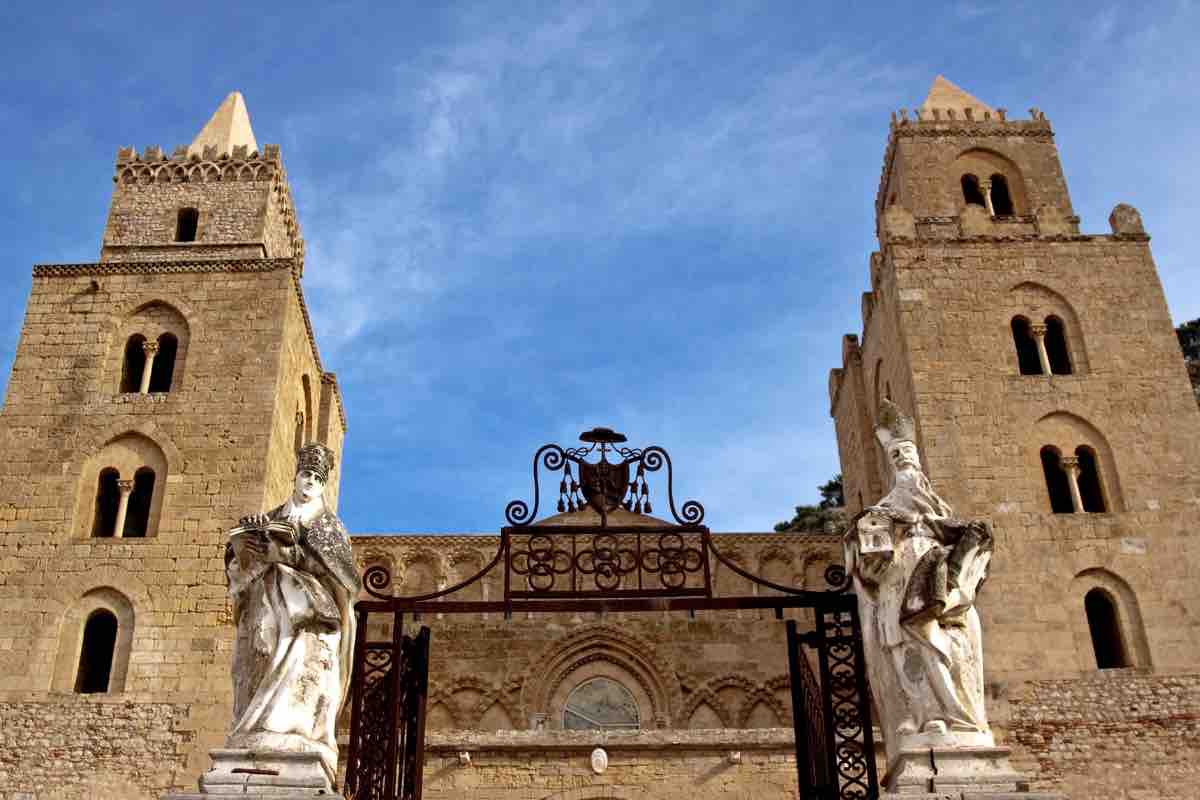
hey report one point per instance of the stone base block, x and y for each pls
(954, 772)
(267, 774)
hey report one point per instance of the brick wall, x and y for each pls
(1118, 736)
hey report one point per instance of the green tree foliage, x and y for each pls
(812, 519)
(1189, 342)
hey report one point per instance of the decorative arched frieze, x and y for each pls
(602, 650)
(705, 697)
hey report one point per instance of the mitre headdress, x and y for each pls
(894, 425)
(317, 458)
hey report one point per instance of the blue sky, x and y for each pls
(524, 220)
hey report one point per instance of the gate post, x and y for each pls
(850, 740)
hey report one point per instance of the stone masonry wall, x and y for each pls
(93, 747)
(1117, 736)
(674, 765)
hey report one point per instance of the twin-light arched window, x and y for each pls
(149, 366)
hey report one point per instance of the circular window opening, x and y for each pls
(600, 704)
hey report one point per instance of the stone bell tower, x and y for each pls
(156, 395)
(1044, 375)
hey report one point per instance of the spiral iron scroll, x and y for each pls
(518, 512)
(552, 457)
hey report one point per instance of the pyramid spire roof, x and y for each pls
(944, 94)
(228, 127)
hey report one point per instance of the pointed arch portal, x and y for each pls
(603, 552)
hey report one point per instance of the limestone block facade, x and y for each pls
(1045, 378)
(156, 396)
(161, 392)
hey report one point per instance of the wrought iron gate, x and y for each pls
(387, 722)
(835, 748)
(566, 568)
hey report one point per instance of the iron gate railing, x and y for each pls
(557, 568)
(831, 716)
(386, 757)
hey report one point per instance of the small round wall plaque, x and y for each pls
(599, 760)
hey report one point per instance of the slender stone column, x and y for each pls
(1070, 465)
(126, 488)
(1039, 336)
(985, 186)
(151, 350)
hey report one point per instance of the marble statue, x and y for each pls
(293, 583)
(916, 571)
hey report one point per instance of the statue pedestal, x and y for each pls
(955, 771)
(278, 775)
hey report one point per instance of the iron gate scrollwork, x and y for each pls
(624, 561)
(387, 733)
(835, 748)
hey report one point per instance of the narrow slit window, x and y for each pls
(133, 364)
(972, 194)
(1056, 346)
(1027, 353)
(108, 499)
(186, 225)
(1056, 482)
(1107, 643)
(137, 517)
(164, 363)
(96, 655)
(1090, 490)
(1002, 204)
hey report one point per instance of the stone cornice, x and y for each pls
(160, 267)
(1080, 238)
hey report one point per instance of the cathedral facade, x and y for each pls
(161, 392)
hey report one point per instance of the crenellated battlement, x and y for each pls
(238, 163)
(211, 165)
(988, 128)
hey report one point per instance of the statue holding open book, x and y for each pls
(916, 570)
(293, 583)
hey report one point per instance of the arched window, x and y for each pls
(108, 499)
(600, 704)
(137, 518)
(1056, 481)
(972, 194)
(186, 224)
(1056, 346)
(164, 363)
(1002, 204)
(96, 655)
(298, 440)
(1027, 353)
(1090, 490)
(134, 363)
(1105, 629)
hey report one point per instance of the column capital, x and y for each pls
(1038, 329)
(1070, 464)
(149, 348)
(125, 485)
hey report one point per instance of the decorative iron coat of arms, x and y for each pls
(604, 484)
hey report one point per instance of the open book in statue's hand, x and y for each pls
(260, 540)
(279, 530)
